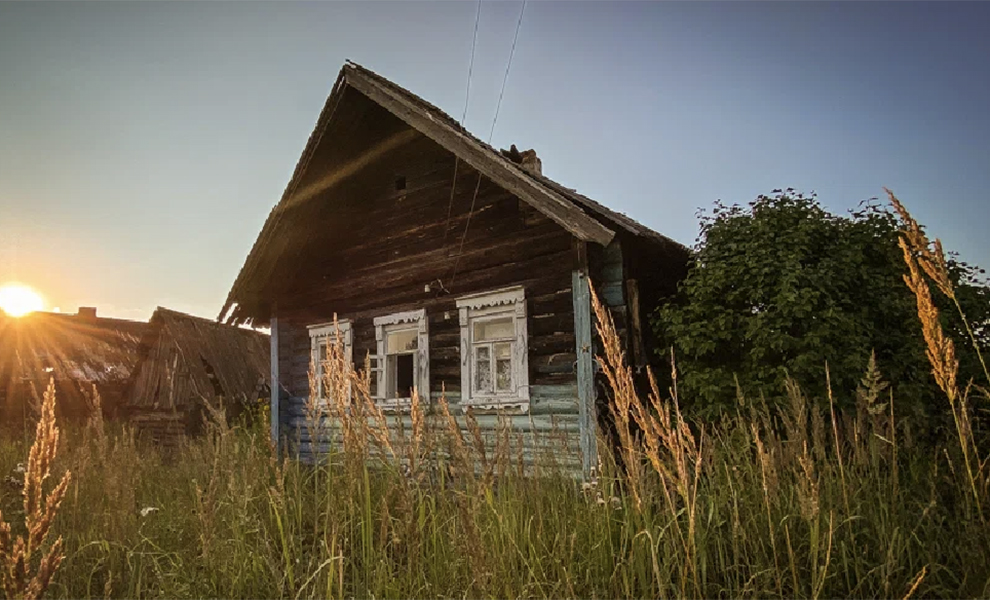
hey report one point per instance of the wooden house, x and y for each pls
(452, 265)
(77, 350)
(184, 361)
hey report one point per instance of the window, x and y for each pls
(403, 360)
(494, 352)
(320, 337)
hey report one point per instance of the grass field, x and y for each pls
(800, 502)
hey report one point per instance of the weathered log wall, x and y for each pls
(377, 239)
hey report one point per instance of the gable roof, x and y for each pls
(184, 358)
(584, 218)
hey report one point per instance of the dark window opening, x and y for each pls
(400, 182)
(404, 375)
(211, 374)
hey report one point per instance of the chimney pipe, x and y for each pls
(531, 162)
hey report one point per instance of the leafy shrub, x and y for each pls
(782, 287)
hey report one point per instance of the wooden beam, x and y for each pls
(635, 322)
(274, 404)
(553, 205)
(587, 413)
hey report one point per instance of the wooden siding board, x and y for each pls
(543, 437)
(585, 370)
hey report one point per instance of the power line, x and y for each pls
(467, 98)
(474, 45)
(508, 65)
(498, 105)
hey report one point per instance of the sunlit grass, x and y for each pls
(797, 502)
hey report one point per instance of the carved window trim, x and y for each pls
(485, 306)
(401, 321)
(321, 335)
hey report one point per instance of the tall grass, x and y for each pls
(21, 576)
(797, 502)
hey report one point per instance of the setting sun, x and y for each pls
(18, 300)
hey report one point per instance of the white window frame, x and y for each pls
(324, 334)
(489, 305)
(402, 321)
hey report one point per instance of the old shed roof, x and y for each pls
(184, 358)
(584, 218)
(71, 348)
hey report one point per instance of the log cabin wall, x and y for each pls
(632, 276)
(653, 270)
(375, 242)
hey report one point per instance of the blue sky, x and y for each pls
(142, 144)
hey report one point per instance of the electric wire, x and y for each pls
(491, 134)
(467, 98)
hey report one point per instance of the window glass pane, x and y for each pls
(494, 329)
(375, 366)
(482, 369)
(503, 375)
(401, 341)
(320, 360)
(503, 367)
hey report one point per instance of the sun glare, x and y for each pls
(18, 300)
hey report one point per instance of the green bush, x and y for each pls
(783, 287)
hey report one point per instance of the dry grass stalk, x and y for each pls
(807, 486)
(478, 443)
(770, 484)
(795, 418)
(667, 441)
(870, 412)
(16, 556)
(917, 581)
(94, 424)
(335, 384)
(939, 347)
(919, 251)
(416, 446)
(313, 407)
(379, 433)
(624, 405)
(931, 261)
(458, 445)
(941, 351)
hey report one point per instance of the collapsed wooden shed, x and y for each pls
(185, 361)
(455, 268)
(78, 351)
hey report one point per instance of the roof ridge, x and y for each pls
(169, 313)
(582, 217)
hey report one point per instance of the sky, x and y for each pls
(143, 144)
